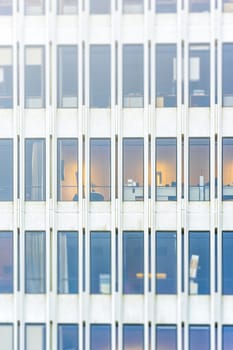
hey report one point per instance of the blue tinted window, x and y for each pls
(100, 337)
(199, 263)
(35, 7)
(227, 74)
(6, 77)
(227, 337)
(227, 174)
(165, 7)
(6, 170)
(7, 336)
(166, 263)
(100, 256)
(6, 262)
(199, 338)
(199, 5)
(166, 338)
(133, 6)
(35, 334)
(227, 263)
(6, 8)
(68, 337)
(68, 262)
(133, 337)
(67, 7)
(133, 262)
(100, 6)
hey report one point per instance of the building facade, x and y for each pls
(116, 175)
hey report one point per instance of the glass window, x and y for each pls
(67, 77)
(35, 169)
(133, 177)
(100, 176)
(100, 337)
(100, 76)
(67, 7)
(35, 262)
(68, 337)
(199, 169)
(199, 338)
(67, 170)
(133, 6)
(6, 77)
(227, 5)
(166, 263)
(133, 337)
(6, 170)
(100, 255)
(227, 71)
(35, 337)
(199, 5)
(34, 7)
(227, 169)
(6, 262)
(227, 337)
(166, 75)
(133, 263)
(165, 169)
(133, 84)
(67, 255)
(34, 77)
(199, 262)
(166, 338)
(227, 262)
(6, 336)
(100, 7)
(165, 7)
(5, 8)
(199, 76)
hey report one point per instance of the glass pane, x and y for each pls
(100, 6)
(133, 6)
(133, 84)
(227, 5)
(199, 169)
(67, 170)
(34, 7)
(227, 71)
(67, 77)
(6, 77)
(199, 262)
(100, 76)
(199, 338)
(166, 338)
(168, 6)
(199, 76)
(67, 262)
(133, 263)
(67, 7)
(5, 7)
(165, 169)
(34, 77)
(6, 336)
(133, 337)
(166, 75)
(100, 256)
(6, 262)
(227, 335)
(100, 337)
(35, 337)
(199, 5)
(227, 262)
(6, 170)
(133, 180)
(67, 337)
(35, 169)
(166, 263)
(100, 176)
(227, 167)
(35, 262)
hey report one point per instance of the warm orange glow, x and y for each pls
(159, 275)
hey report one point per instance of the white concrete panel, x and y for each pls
(34, 30)
(35, 122)
(199, 27)
(165, 215)
(199, 309)
(7, 215)
(165, 31)
(226, 308)
(6, 120)
(227, 214)
(67, 122)
(227, 121)
(100, 221)
(199, 215)
(132, 308)
(199, 122)
(34, 308)
(166, 122)
(133, 122)
(7, 308)
(67, 220)
(67, 308)
(100, 122)
(166, 309)
(99, 29)
(6, 27)
(97, 304)
(132, 29)
(35, 216)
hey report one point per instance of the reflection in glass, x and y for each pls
(6, 170)
(199, 76)
(199, 5)
(133, 337)
(100, 7)
(133, 263)
(35, 170)
(166, 338)
(133, 84)
(67, 255)
(199, 169)
(227, 5)
(67, 170)
(166, 263)
(6, 336)
(6, 8)
(34, 7)
(100, 176)
(67, 7)
(35, 262)
(100, 337)
(227, 72)
(67, 337)
(133, 180)
(199, 262)
(100, 268)
(227, 169)
(227, 263)
(35, 334)
(6, 77)
(100, 74)
(227, 337)
(199, 338)
(67, 77)
(165, 169)
(6, 262)
(166, 75)
(168, 6)
(133, 6)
